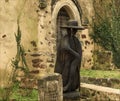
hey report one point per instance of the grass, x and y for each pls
(21, 95)
(25, 95)
(32, 94)
(100, 73)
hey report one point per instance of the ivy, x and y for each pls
(102, 35)
(106, 27)
(20, 56)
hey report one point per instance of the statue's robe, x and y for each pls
(67, 51)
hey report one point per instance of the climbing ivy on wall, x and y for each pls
(20, 56)
(106, 27)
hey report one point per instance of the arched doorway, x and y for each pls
(64, 14)
(63, 11)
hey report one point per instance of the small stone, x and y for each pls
(43, 66)
(34, 71)
(36, 65)
(35, 60)
(3, 36)
(87, 42)
(36, 54)
(51, 65)
(83, 36)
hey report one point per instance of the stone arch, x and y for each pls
(70, 7)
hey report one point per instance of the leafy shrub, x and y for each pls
(106, 27)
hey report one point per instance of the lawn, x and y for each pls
(19, 95)
(100, 73)
(25, 95)
(32, 94)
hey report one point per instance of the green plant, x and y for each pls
(12, 83)
(102, 35)
(25, 94)
(5, 94)
(20, 57)
(106, 27)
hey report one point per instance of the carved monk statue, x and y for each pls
(69, 55)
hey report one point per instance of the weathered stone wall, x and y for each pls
(87, 10)
(87, 49)
(87, 42)
(38, 27)
(103, 60)
(107, 82)
(46, 39)
(48, 20)
(10, 10)
(99, 93)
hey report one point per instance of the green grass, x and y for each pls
(19, 95)
(25, 95)
(100, 73)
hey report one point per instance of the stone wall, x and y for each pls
(103, 60)
(38, 27)
(46, 38)
(92, 92)
(87, 42)
(107, 82)
(10, 11)
(87, 49)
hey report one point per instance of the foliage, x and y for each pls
(18, 94)
(20, 57)
(5, 94)
(102, 34)
(25, 95)
(106, 25)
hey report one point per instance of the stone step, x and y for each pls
(99, 93)
(107, 82)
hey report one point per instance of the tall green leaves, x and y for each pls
(20, 56)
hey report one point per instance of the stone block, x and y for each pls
(99, 93)
(50, 88)
(107, 82)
